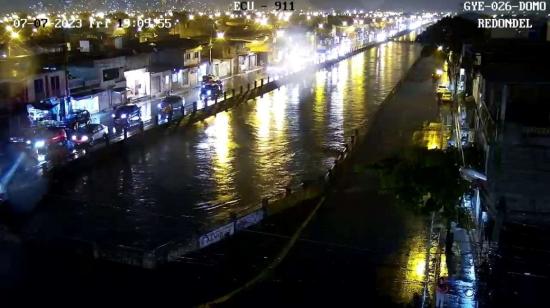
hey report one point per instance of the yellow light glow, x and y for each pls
(220, 35)
(191, 17)
(420, 267)
(9, 28)
(14, 35)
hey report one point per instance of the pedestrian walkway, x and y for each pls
(361, 247)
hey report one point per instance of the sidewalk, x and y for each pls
(462, 278)
(361, 247)
(189, 95)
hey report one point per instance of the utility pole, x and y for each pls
(210, 44)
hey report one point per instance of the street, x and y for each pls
(361, 247)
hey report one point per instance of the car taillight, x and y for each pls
(60, 136)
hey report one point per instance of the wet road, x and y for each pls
(154, 192)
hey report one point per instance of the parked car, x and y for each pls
(210, 91)
(126, 117)
(441, 89)
(22, 138)
(51, 142)
(446, 97)
(171, 105)
(209, 79)
(76, 118)
(42, 141)
(89, 134)
(52, 135)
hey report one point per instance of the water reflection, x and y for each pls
(227, 163)
(219, 139)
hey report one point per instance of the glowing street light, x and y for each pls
(220, 35)
(320, 26)
(440, 48)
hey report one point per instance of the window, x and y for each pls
(55, 85)
(196, 55)
(39, 86)
(55, 82)
(187, 56)
(111, 74)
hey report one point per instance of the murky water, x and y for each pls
(227, 163)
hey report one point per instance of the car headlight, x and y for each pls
(39, 144)
(28, 142)
(73, 138)
(84, 138)
(123, 116)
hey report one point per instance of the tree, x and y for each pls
(425, 180)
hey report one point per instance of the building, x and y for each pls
(25, 81)
(182, 58)
(230, 57)
(511, 89)
(97, 83)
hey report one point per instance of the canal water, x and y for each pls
(153, 193)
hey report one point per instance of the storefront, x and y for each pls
(221, 67)
(90, 103)
(138, 82)
(247, 62)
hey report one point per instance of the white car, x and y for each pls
(89, 134)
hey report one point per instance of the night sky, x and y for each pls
(408, 5)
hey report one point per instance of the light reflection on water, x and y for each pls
(227, 163)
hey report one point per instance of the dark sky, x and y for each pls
(406, 5)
